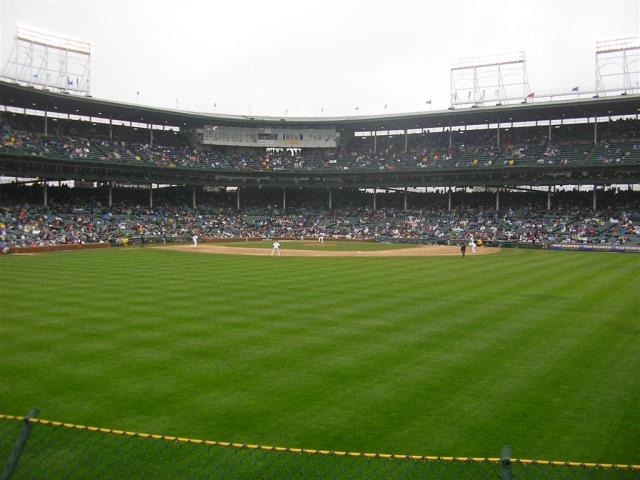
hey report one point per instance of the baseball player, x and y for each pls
(276, 248)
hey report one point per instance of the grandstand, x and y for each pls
(260, 173)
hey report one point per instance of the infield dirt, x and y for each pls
(414, 251)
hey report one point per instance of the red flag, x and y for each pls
(531, 95)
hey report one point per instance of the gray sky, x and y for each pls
(301, 55)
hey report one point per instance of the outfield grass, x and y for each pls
(329, 245)
(537, 349)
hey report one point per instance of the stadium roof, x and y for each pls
(20, 96)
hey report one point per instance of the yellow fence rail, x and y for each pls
(46, 445)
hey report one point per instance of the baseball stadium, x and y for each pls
(443, 294)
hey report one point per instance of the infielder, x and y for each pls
(195, 240)
(473, 246)
(276, 248)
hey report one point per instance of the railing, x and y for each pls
(38, 448)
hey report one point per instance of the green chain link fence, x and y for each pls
(55, 450)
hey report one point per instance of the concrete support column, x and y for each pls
(451, 137)
(548, 198)
(151, 195)
(375, 142)
(449, 207)
(595, 131)
(375, 200)
(406, 141)
(151, 135)
(110, 129)
(497, 200)
(595, 204)
(110, 198)
(405, 199)
(193, 197)
(44, 192)
(330, 200)
(238, 198)
(498, 135)
(549, 134)
(46, 124)
(284, 199)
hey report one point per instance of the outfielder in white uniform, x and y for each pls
(195, 241)
(276, 248)
(473, 246)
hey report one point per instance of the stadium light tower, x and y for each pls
(49, 60)
(618, 65)
(497, 78)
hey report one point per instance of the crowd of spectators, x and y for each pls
(85, 220)
(29, 225)
(572, 144)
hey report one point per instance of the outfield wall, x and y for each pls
(594, 248)
(56, 248)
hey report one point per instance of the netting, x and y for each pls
(64, 451)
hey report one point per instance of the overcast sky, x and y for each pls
(303, 56)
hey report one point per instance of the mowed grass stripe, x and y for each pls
(438, 355)
(451, 345)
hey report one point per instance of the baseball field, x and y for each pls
(426, 355)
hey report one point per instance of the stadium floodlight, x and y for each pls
(48, 60)
(498, 79)
(618, 65)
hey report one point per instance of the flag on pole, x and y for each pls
(531, 95)
(575, 89)
(357, 108)
(385, 105)
(428, 102)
